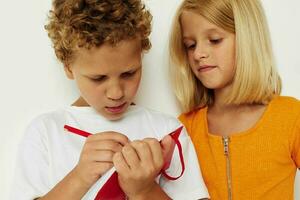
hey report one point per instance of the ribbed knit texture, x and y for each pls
(264, 159)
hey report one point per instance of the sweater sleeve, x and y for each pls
(296, 143)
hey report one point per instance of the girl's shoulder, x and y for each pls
(287, 100)
(284, 103)
(191, 115)
(284, 109)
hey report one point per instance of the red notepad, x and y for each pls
(111, 190)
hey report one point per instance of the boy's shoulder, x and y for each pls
(49, 116)
(40, 127)
(153, 118)
(141, 111)
(46, 122)
(150, 111)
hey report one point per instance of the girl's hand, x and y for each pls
(97, 156)
(137, 165)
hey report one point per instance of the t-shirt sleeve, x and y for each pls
(31, 178)
(296, 143)
(190, 185)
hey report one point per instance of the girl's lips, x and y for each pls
(206, 68)
(116, 109)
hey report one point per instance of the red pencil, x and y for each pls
(77, 131)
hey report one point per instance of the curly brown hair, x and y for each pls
(75, 24)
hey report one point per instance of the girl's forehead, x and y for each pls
(195, 23)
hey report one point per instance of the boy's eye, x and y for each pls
(128, 74)
(215, 41)
(98, 79)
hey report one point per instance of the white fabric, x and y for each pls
(48, 153)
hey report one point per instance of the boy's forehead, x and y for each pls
(122, 55)
(125, 46)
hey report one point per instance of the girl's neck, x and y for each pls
(227, 119)
(220, 106)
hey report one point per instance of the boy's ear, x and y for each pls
(68, 71)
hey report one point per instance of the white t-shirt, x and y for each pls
(48, 153)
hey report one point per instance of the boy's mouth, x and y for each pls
(116, 109)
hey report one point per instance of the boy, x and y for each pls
(100, 44)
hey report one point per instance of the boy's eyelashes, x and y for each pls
(128, 74)
(98, 79)
(124, 75)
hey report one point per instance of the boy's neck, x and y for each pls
(80, 102)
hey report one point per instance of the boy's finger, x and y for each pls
(102, 167)
(156, 151)
(143, 151)
(120, 164)
(100, 145)
(101, 156)
(131, 157)
(168, 146)
(110, 135)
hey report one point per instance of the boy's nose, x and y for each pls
(115, 92)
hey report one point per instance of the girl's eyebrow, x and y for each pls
(213, 30)
(207, 31)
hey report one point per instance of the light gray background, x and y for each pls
(32, 81)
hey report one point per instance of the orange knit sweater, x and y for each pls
(261, 162)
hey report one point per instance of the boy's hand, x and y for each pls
(97, 156)
(138, 164)
(168, 146)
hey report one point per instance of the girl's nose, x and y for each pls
(200, 53)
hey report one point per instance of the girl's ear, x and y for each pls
(68, 71)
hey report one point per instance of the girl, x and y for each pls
(246, 136)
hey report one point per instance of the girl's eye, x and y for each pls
(190, 46)
(215, 41)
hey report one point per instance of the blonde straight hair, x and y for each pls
(256, 78)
